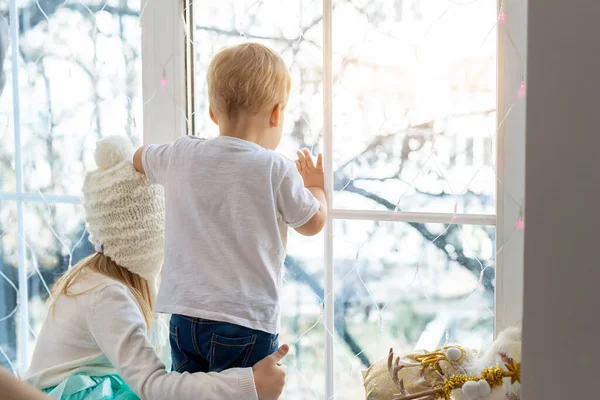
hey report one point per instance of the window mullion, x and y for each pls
(41, 198)
(23, 343)
(418, 217)
(329, 297)
(188, 13)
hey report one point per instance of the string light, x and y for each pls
(521, 220)
(502, 17)
(522, 89)
(163, 80)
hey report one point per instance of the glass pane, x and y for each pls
(80, 79)
(7, 144)
(56, 239)
(9, 283)
(301, 322)
(291, 27)
(408, 286)
(414, 105)
(294, 29)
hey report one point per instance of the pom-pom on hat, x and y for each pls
(124, 212)
(112, 150)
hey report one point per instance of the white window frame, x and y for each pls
(510, 188)
(168, 115)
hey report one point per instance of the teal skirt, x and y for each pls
(83, 387)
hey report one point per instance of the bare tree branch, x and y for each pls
(486, 275)
(38, 12)
(237, 33)
(299, 274)
(121, 11)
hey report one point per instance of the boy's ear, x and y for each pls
(213, 116)
(276, 115)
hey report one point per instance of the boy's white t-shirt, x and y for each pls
(228, 205)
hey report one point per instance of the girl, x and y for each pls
(94, 343)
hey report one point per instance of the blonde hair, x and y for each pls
(102, 264)
(249, 77)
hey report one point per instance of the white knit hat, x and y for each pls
(125, 215)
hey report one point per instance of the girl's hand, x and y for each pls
(269, 375)
(313, 175)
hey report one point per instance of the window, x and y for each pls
(417, 106)
(402, 98)
(71, 73)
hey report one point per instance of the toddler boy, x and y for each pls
(229, 201)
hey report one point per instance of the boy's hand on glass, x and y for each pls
(269, 375)
(312, 174)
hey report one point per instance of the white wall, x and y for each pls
(562, 248)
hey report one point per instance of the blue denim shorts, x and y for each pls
(200, 345)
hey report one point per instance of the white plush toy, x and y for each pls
(476, 390)
(505, 349)
(448, 374)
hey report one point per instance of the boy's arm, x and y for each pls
(301, 198)
(137, 160)
(153, 161)
(317, 222)
(314, 181)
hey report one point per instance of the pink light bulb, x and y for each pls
(502, 17)
(521, 223)
(522, 90)
(163, 82)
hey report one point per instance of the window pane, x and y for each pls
(408, 286)
(414, 102)
(291, 27)
(301, 322)
(7, 144)
(80, 79)
(56, 240)
(9, 283)
(294, 29)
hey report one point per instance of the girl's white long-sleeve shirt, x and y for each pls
(103, 332)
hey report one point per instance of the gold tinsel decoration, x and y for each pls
(434, 358)
(514, 368)
(493, 376)
(452, 384)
